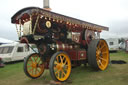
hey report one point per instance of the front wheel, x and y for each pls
(33, 66)
(60, 66)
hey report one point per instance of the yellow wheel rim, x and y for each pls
(35, 66)
(62, 67)
(102, 55)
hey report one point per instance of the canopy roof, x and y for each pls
(25, 13)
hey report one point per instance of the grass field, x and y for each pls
(115, 74)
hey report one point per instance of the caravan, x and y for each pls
(15, 51)
(113, 44)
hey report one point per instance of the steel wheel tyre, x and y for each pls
(60, 66)
(33, 66)
(98, 54)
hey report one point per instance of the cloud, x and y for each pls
(110, 13)
(119, 26)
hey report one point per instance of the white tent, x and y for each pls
(3, 40)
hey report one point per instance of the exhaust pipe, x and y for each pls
(46, 5)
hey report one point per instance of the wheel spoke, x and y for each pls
(66, 67)
(39, 61)
(55, 67)
(102, 47)
(101, 64)
(99, 44)
(63, 72)
(29, 63)
(56, 63)
(98, 48)
(103, 59)
(57, 59)
(32, 70)
(98, 63)
(104, 52)
(97, 58)
(97, 55)
(61, 59)
(37, 70)
(30, 59)
(65, 62)
(28, 66)
(57, 72)
(36, 58)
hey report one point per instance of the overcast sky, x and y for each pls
(110, 13)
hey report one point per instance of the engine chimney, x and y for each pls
(46, 5)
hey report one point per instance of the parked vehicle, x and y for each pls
(14, 51)
(113, 44)
(62, 42)
(122, 46)
(1, 63)
(126, 46)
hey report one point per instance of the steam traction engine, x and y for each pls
(63, 42)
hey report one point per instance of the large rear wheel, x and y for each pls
(98, 54)
(60, 66)
(33, 66)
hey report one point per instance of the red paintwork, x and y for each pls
(83, 42)
(63, 46)
(72, 54)
(46, 65)
(77, 54)
(81, 55)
